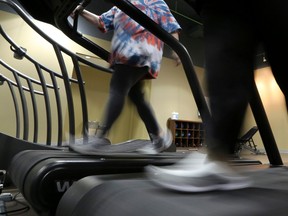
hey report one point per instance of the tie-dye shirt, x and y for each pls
(131, 43)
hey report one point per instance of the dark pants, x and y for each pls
(128, 81)
(232, 33)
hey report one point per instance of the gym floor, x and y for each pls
(21, 207)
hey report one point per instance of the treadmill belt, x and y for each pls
(129, 197)
(127, 146)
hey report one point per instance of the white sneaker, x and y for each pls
(158, 144)
(207, 177)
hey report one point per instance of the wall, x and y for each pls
(171, 92)
(274, 104)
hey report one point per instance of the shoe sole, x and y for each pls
(167, 143)
(182, 187)
(191, 189)
(79, 150)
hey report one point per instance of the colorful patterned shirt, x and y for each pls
(131, 43)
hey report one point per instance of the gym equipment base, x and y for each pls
(117, 196)
(43, 176)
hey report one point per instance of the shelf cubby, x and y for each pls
(186, 133)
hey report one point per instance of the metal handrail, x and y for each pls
(59, 51)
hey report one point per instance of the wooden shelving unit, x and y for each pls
(186, 133)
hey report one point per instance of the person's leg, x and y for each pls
(145, 111)
(229, 55)
(229, 48)
(123, 79)
(272, 23)
(160, 139)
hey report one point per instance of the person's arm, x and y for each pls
(90, 17)
(174, 54)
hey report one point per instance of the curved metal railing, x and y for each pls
(56, 77)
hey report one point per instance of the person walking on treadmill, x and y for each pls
(232, 33)
(136, 55)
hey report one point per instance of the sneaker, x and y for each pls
(94, 145)
(207, 177)
(158, 144)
